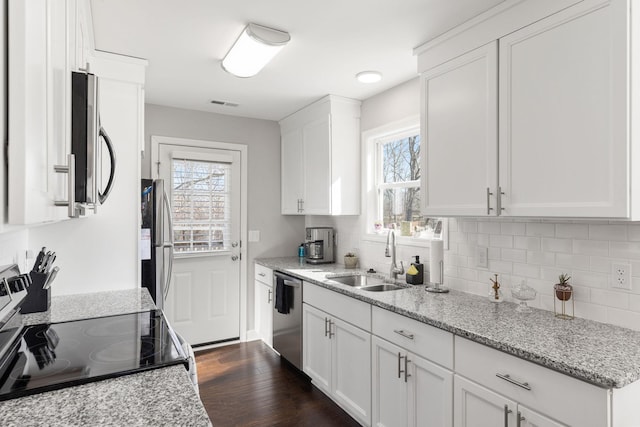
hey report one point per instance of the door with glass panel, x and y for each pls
(203, 302)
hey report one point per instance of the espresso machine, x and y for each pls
(320, 245)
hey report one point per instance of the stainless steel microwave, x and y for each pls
(87, 137)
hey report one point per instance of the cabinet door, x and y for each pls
(317, 166)
(316, 347)
(388, 388)
(459, 131)
(351, 369)
(476, 406)
(264, 312)
(292, 173)
(563, 114)
(529, 418)
(39, 110)
(430, 394)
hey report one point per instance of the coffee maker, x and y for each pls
(320, 245)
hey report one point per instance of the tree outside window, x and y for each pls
(399, 183)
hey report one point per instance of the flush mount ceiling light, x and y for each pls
(369, 76)
(255, 47)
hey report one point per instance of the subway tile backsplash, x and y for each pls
(534, 250)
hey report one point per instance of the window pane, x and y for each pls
(200, 204)
(401, 160)
(401, 210)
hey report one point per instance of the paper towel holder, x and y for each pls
(435, 286)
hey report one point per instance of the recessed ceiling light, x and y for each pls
(369, 76)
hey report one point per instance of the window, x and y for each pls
(201, 205)
(398, 182)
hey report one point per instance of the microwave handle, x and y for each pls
(112, 155)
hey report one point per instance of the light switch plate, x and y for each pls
(254, 235)
(482, 257)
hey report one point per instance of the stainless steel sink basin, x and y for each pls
(381, 288)
(366, 283)
(357, 281)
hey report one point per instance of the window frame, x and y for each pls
(372, 141)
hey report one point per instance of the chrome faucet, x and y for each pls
(390, 251)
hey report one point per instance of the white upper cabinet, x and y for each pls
(320, 156)
(547, 134)
(459, 116)
(41, 42)
(563, 114)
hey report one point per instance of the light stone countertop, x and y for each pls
(601, 354)
(163, 396)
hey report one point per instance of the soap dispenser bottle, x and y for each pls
(415, 273)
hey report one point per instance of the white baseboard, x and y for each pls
(252, 335)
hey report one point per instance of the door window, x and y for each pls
(201, 205)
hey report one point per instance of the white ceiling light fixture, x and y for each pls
(255, 47)
(369, 76)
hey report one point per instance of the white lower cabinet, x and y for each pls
(264, 303)
(493, 388)
(337, 355)
(477, 406)
(407, 389)
(264, 312)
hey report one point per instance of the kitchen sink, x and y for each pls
(381, 288)
(357, 281)
(366, 283)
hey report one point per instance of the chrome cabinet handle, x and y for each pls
(489, 208)
(70, 169)
(400, 370)
(326, 322)
(403, 333)
(261, 274)
(519, 419)
(508, 378)
(507, 411)
(300, 205)
(269, 293)
(499, 200)
(331, 323)
(406, 368)
(234, 257)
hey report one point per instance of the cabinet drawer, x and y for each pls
(426, 341)
(559, 396)
(349, 309)
(264, 274)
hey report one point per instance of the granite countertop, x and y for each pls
(99, 304)
(602, 354)
(163, 396)
(158, 397)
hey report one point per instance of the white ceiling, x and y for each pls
(331, 41)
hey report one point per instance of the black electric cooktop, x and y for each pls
(51, 356)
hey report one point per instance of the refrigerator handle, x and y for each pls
(168, 244)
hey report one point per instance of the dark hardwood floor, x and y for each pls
(248, 385)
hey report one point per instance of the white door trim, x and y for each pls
(243, 149)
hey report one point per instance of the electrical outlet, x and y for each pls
(482, 257)
(621, 276)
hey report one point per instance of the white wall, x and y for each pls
(279, 235)
(534, 250)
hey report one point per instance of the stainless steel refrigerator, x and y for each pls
(156, 240)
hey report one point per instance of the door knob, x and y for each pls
(234, 257)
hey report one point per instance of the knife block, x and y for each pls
(38, 299)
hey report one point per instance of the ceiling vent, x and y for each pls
(223, 103)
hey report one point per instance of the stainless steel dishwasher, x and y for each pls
(287, 318)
